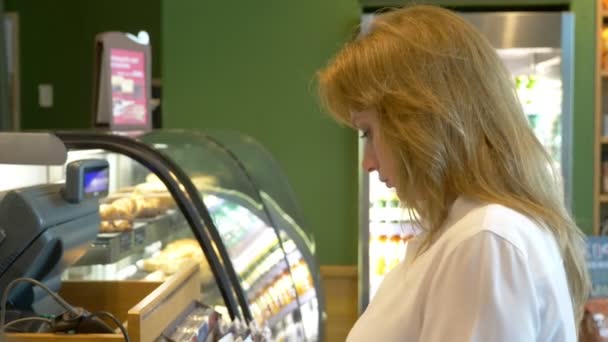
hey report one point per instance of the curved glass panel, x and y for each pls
(245, 228)
(279, 202)
(264, 171)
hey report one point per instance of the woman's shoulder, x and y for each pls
(470, 218)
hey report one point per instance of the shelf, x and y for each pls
(605, 14)
(307, 296)
(603, 198)
(294, 305)
(267, 278)
(109, 248)
(604, 140)
(286, 310)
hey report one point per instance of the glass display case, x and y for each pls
(258, 221)
(217, 199)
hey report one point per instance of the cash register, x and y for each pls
(43, 230)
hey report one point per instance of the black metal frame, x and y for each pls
(6, 115)
(172, 176)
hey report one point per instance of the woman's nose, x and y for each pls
(369, 163)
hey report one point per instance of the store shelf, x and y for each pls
(286, 310)
(603, 198)
(267, 278)
(307, 297)
(109, 248)
(246, 241)
(605, 14)
(604, 140)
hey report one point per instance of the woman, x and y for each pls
(500, 258)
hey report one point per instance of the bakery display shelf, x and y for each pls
(285, 311)
(292, 306)
(248, 240)
(307, 296)
(294, 257)
(267, 278)
(109, 248)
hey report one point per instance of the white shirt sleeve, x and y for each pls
(483, 292)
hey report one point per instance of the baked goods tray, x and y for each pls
(110, 248)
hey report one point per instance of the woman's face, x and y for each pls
(376, 155)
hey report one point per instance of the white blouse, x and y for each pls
(493, 275)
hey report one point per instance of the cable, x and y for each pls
(27, 319)
(113, 318)
(37, 283)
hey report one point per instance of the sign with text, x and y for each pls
(129, 96)
(597, 263)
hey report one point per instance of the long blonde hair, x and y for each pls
(449, 110)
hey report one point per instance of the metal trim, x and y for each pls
(567, 37)
(364, 227)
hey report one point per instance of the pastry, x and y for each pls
(115, 226)
(107, 212)
(175, 255)
(147, 188)
(147, 208)
(106, 227)
(125, 208)
(164, 201)
(122, 225)
(126, 204)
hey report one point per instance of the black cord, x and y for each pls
(12, 284)
(101, 314)
(10, 325)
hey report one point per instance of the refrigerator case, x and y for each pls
(177, 196)
(537, 48)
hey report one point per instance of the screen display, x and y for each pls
(96, 181)
(129, 98)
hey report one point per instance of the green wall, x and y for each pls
(57, 40)
(583, 120)
(250, 67)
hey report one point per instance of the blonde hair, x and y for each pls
(449, 110)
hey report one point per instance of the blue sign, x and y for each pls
(597, 263)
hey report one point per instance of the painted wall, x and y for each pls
(250, 68)
(57, 40)
(583, 119)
